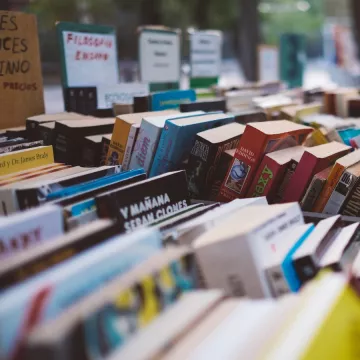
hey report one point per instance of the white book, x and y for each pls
(186, 233)
(170, 327)
(231, 254)
(133, 134)
(24, 230)
(341, 99)
(148, 139)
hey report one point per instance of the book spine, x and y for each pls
(118, 142)
(129, 147)
(277, 281)
(306, 268)
(351, 205)
(90, 154)
(312, 193)
(328, 188)
(24, 146)
(27, 159)
(340, 193)
(104, 150)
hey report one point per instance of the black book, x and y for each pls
(16, 132)
(47, 133)
(205, 156)
(351, 205)
(91, 151)
(13, 141)
(249, 116)
(207, 105)
(70, 99)
(144, 202)
(26, 264)
(307, 258)
(105, 143)
(68, 135)
(142, 104)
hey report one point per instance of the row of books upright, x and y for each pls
(174, 239)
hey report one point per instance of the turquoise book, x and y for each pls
(178, 137)
(171, 99)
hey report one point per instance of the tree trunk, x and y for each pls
(248, 37)
(355, 11)
(151, 12)
(202, 14)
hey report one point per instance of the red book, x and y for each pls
(258, 139)
(314, 160)
(271, 172)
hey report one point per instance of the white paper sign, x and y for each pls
(124, 93)
(268, 63)
(159, 57)
(205, 54)
(90, 59)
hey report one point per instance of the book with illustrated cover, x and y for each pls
(148, 139)
(135, 299)
(144, 202)
(258, 140)
(48, 294)
(178, 137)
(313, 161)
(25, 230)
(272, 172)
(336, 172)
(123, 127)
(205, 156)
(105, 143)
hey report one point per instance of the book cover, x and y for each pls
(171, 99)
(206, 105)
(205, 156)
(342, 190)
(48, 294)
(146, 201)
(148, 139)
(336, 172)
(105, 143)
(314, 160)
(121, 132)
(22, 231)
(258, 140)
(272, 172)
(91, 150)
(25, 159)
(314, 189)
(68, 135)
(178, 137)
(129, 149)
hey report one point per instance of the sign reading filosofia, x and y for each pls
(124, 93)
(205, 54)
(159, 56)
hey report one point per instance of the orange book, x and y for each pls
(338, 169)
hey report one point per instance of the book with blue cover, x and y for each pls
(48, 294)
(171, 99)
(178, 137)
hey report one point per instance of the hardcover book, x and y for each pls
(171, 99)
(178, 137)
(272, 172)
(146, 201)
(205, 156)
(258, 140)
(68, 135)
(313, 161)
(123, 127)
(48, 294)
(336, 172)
(148, 139)
(22, 231)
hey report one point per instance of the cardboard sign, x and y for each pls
(268, 66)
(21, 85)
(159, 57)
(88, 54)
(205, 54)
(107, 95)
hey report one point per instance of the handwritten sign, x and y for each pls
(107, 95)
(269, 65)
(89, 55)
(21, 85)
(159, 58)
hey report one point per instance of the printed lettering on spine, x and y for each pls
(205, 58)
(144, 202)
(159, 57)
(21, 84)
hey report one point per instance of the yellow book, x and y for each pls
(338, 169)
(25, 159)
(296, 112)
(122, 128)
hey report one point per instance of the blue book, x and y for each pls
(51, 292)
(178, 137)
(171, 99)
